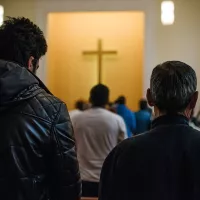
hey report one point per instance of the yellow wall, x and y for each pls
(71, 75)
(19, 8)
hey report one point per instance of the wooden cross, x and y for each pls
(99, 52)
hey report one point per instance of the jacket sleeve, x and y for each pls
(64, 169)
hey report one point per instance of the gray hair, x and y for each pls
(172, 85)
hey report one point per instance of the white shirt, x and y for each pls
(74, 113)
(97, 132)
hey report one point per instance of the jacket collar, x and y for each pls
(175, 119)
(15, 80)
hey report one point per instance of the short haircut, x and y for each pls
(20, 39)
(121, 100)
(143, 104)
(80, 105)
(99, 95)
(172, 85)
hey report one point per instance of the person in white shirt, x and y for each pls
(79, 108)
(97, 132)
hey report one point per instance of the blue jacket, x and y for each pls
(129, 119)
(143, 120)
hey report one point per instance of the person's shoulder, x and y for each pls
(123, 149)
(44, 105)
(113, 116)
(141, 137)
(191, 139)
(130, 112)
(73, 113)
(80, 114)
(194, 126)
(193, 134)
(129, 148)
(133, 141)
(134, 144)
(49, 100)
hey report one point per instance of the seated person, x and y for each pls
(97, 132)
(143, 117)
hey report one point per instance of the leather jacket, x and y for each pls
(37, 149)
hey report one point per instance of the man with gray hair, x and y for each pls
(164, 163)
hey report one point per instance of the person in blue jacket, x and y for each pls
(143, 117)
(127, 115)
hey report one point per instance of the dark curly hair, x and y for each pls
(20, 39)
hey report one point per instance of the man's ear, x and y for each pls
(30, 63)
(149, 98)
(193, 100)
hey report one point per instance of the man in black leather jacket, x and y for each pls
(37, 148)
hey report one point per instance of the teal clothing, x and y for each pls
(129, 119)
(143, 120)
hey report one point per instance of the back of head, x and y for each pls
(80, 105)
(121, 100)
(173, 84)
(20, 39)
(143, 104)
(99, 95)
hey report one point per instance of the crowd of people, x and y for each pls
(136, 122)
(98, 127)
(103, 150)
